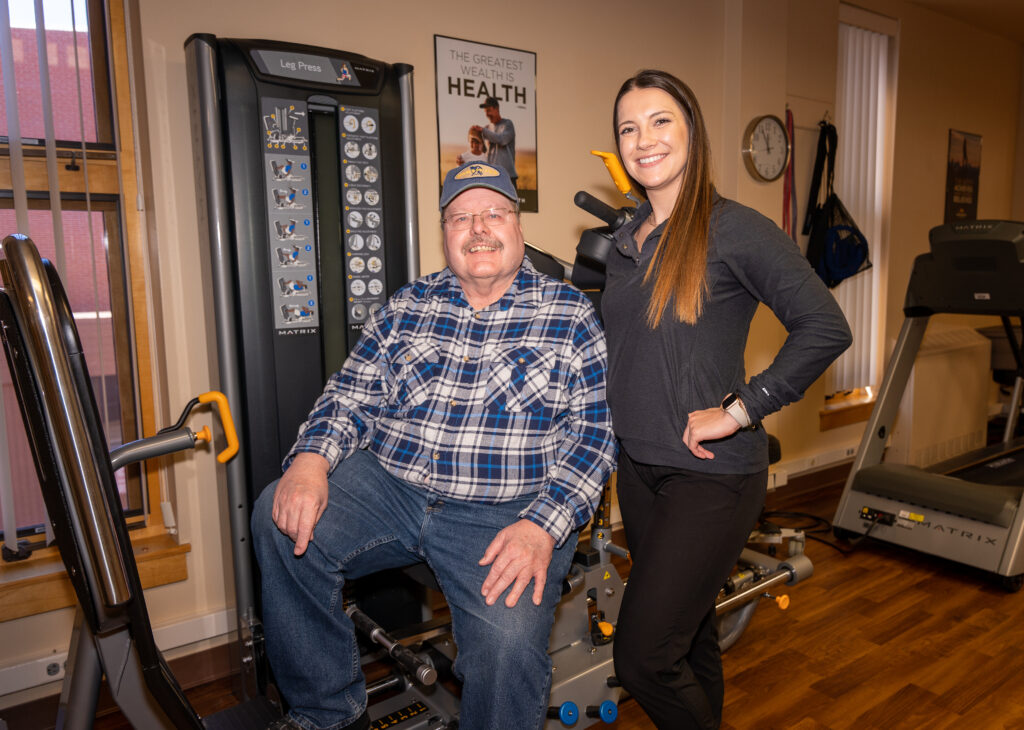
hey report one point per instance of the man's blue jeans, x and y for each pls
(374, 521)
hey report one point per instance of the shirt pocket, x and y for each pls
(414, 374)
(520, 379)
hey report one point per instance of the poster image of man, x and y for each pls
(491, 91)
(500, 135)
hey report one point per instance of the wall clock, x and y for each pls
(766, 148)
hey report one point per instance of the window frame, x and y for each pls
(114, 169)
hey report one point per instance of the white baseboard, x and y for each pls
(50, 668)
(779, 474)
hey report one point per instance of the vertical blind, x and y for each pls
(862, 99)
(49, 116)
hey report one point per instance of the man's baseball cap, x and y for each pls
(489, 101)
(476, 175)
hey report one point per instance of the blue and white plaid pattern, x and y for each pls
(484, 406)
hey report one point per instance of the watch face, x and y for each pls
(766, 148)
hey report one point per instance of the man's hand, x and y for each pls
(300, 498)
(517, 554)
(707, 425)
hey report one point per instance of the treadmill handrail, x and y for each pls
(29, 290)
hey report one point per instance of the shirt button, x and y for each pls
(522, 360)
(476, 315)
(465, 358)
(408, 357)
(454, 402)
(437, 456)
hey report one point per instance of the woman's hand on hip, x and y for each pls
(707, 425)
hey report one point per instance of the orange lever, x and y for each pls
(619, 177)
(226, 421)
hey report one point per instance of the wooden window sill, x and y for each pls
(39, 583)
(842, 410)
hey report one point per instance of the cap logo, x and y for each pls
(478, 170)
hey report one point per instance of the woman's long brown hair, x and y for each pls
(679, 265)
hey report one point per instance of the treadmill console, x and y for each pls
(973, 267)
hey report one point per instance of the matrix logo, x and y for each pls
(956, 532)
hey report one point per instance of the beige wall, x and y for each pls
(951, 76)
(742, 57)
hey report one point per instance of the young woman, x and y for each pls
(683, 283)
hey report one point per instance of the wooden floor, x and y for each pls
(880, 638)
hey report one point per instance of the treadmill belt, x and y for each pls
(1007, 469)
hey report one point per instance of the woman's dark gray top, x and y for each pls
(657, 376)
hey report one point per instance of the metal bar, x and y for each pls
(1014, 412)
(754, 592)
(389, 682)
(879, 426)
(158, 445)
(423, 672)
(412, 235)
(83, 675)
(201, 62)
(32, 298)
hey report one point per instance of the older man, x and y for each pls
(468, 429)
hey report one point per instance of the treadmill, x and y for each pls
(967, 509)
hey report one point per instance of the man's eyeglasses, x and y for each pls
(491, 217)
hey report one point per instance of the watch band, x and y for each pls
(735, 408)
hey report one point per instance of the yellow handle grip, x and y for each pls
(619, 177)
(226, 421)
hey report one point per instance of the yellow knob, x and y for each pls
(606, 628)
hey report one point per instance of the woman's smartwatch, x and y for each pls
(735, 408)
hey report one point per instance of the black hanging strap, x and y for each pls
(828, 140)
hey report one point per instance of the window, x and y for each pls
(75, 220)
(865, 110)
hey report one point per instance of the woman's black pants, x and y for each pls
(685, 531)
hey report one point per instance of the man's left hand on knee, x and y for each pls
(518, 554)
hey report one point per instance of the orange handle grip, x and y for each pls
(615, 169)
(226, 421)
